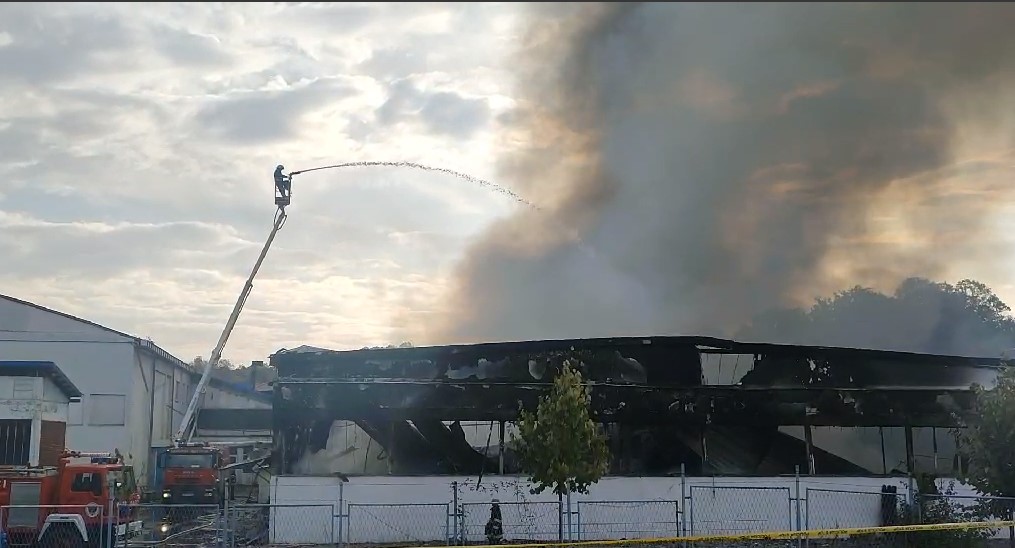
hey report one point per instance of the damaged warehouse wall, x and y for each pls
(665, 402)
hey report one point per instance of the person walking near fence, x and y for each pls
(495, 525)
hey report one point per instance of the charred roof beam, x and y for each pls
(891, 406)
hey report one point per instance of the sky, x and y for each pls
(139, 142)
(689, 165)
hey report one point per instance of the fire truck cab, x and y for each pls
(85, 498)
(191, 474)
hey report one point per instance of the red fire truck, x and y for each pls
(192, 469)
(191, 474)
(85, 498)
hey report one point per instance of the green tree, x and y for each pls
(985, 440)
(237, 374)
(988, 436)
(560, 446)
(199, 362)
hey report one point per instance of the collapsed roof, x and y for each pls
(661, 397)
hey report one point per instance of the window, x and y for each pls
(75, 413)
(178, 393)
(190, 460)
(87, 482)
(107, 409)
(16, 436)
(24, 389)
(27, 496)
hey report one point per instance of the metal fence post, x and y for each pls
(578, 518)
(99, 541)
(682, 506)
(560, 517)
(341, 511)
(796, 488)
(224, 537)
(454, 511)
(447, 527)
(1008, 515)
(570, 533)
(111, 527)
(331, 529)
(796, 483)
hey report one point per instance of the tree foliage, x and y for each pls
(199, 362)
(932, 506)
(988, 436)
(229, 372)
(560, 446)
(966, 318)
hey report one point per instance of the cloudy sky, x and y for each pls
(714, 162)
(139, 141)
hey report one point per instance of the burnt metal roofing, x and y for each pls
(707, 345)
(41, 369)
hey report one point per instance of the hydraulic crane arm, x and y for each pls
(187, 426)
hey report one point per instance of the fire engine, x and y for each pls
(191, 474)
(192, 470)
(85, 498)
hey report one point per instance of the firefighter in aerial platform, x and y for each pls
(283, 186)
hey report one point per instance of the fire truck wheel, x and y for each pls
(63, 535)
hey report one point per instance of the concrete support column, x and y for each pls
(35, 442)
(910, 454)
(809, 449)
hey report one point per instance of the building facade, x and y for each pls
(34, 405)
(134, 393)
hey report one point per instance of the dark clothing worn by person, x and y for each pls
(281, 181)
(495, 525)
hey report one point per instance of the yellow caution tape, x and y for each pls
(775, 535)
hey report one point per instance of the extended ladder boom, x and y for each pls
(187, 426)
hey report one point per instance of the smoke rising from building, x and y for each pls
(718, 160)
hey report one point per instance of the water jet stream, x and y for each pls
(570, 231)
(481, 182)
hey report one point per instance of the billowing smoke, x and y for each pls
(718, 160)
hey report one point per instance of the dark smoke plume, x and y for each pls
(718, 160)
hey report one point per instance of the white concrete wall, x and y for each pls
(399, 509)
(32, 398)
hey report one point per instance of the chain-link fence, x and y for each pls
(717, 510)
(55, 525)
(389, 524)
(950, 508)
(613, 520)
(179, 525)
(281, 525)
(835, 509)
(742, 515)
(933, 508)
(520, 522)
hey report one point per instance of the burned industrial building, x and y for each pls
(704, 405)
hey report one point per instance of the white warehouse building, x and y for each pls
(134, 393)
